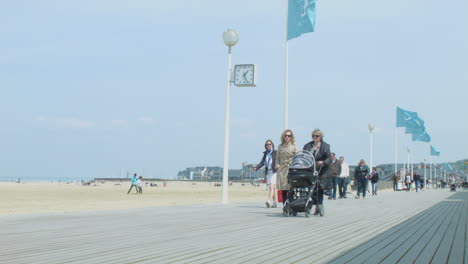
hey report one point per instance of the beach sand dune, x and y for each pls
(55, 197)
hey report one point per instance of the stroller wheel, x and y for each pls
(294, 213)
(307, 212)
(285, 212)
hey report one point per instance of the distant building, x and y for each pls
(216, 173)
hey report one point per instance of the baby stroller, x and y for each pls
(303, 178)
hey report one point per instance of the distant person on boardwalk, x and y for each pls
(360, 176)
(334, 170)
(268, 160)
(374, 178)
(139, 184)
(321, 152)
(416, 180)
(395, 179)
(408, 181)
(134, 183)
(284, 156)
(343, 179)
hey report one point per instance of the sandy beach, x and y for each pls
(55, 197)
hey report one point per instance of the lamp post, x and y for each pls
(425, 183)
(230, 38)
(371, 139)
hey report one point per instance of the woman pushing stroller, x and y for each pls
(321, 152)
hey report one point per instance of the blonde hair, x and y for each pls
(293, 139)
(319, 132)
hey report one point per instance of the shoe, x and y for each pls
(274, 205)
(316, 212)
(363, 197)
(357, 197)
(334, 198)
(329, 198)
(344, 197)
(267, 203)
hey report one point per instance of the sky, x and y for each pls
(94, 88)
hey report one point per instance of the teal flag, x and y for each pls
(301, 17)
(414, 130)
(424, 137)
(448, 167)
(434, 151)
(410, 120)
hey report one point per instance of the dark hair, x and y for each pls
(272, 144)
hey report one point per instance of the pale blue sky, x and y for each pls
(90, 87)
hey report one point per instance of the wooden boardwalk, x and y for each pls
(394, 227)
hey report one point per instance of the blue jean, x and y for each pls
(374, 187)
(342, 187)
(417, 185)
(362, 187)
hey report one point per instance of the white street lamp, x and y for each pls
(371, 139)
(425, 183)
(230, 37)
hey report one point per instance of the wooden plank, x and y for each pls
(459, 245)
(429, 250)
(378, 244)
(445, 246)
(208, 234)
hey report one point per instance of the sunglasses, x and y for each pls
(288, 135)
(315, 135)
(268, 144)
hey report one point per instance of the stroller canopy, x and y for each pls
(303, 160)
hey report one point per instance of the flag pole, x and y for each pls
(396, 148)
(286, 88)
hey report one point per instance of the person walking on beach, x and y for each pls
(374, 178)
(335, 171)
(360, 176)
(268, 160)
(321, 151)
(343, 179)
(139, 183)
(134, 183)
(417, 180)
(284, 156)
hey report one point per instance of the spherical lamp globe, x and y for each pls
(230, 37)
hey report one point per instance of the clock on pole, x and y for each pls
(245, 75)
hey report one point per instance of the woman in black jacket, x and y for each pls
(268, 160)
(321, 151)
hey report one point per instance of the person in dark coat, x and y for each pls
(360, 177)
(416, 179)
(374, 178)
(334, 170)
(268, 161)
(321, 151)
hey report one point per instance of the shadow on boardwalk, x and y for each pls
(436, 235)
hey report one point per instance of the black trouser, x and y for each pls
(285, 194)
(395, 186)
(140, 190)
(332, 191)
(133, 185)
(317, 196)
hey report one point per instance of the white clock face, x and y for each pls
(244, 74)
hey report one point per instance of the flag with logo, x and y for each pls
(448, 167)
(301, 17)
(410, 120)
(434, 151)
(424, 137)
